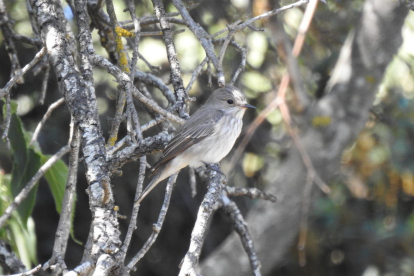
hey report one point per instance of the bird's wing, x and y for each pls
(189, 134)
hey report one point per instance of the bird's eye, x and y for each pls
(230, 101)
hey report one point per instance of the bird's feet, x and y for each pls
(214, 167)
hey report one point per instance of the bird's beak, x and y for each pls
(248, 106)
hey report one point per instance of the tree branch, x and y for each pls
(204, 213)
(29, 186)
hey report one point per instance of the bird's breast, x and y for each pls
(217, 146)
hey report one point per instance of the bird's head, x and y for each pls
(230, 100)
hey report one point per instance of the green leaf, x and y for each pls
(13, 108)
(23, 239)
(56, 176)
(19, 152)
(26, 162)
(32, 166)
(72, 218)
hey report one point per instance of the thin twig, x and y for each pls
(30, 272)
(49, 111)
(252, 193)
(5, 27)
(154, 106)
(196, 73)
(6, 124)
(124, 141)
(157, 226)
(44, 84)
(20, 73)
(64, 225)
(243, 52)
(27, 40)
(154, 122)
(204, 39)
(123, 64)
(133, 220)
(122, 77)
(153, 68)
(240, 226)
(29, 186)
(248, 22)
(175, 71)
(132, 68)
(228, 28)
(150, 79)
(157, 33)
(152, 19)
(118, 117)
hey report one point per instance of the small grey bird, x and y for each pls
(205, 138)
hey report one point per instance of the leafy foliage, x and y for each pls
(26, 162)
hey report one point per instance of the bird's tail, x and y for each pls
(155, 180)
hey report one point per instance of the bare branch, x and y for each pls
(80, 97)
(175, 75)
(269, 14)
(204, 39)
(204, 213)
(155, 33)
(44, 84)
(8, 41)
(157, 226)
(49, 111)
(6, 124)
(196, 73)
(252, 193)
(243, 51)
(133, 152)
(5, 90)
(64, 225)
(29, 186)
(130, 103)
(122, 77)
(133, 220)
(30, 272)
(242, 230)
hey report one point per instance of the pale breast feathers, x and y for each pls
(192, 132)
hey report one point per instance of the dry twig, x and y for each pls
(49, 111)
(29, 186)
(157, 226)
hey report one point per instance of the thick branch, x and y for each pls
(204, 213)
(80, 98)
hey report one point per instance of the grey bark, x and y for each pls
(349, 96)
(81, 100)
